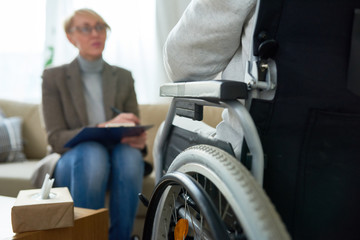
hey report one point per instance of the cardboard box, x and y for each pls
(31, 213)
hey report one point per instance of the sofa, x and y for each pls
(16, 176)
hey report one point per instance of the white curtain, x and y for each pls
(22, 25)
(138, 32)
(168, 13)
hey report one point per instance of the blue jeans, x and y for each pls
(90, 169)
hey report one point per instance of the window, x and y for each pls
(32, 34)
(21, 49)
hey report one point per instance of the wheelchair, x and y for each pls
(205, 183)
(303, 142)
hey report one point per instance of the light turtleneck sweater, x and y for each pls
(91, 72)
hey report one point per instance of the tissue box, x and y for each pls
(31, 213)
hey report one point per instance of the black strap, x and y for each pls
(266, 27)
(353, 79)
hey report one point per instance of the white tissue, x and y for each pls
(46, 187)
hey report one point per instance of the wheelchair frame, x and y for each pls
(188, 100)
(235, 107)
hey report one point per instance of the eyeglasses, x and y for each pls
(87, 30)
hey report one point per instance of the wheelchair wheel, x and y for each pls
(174, 201)
(240, 202)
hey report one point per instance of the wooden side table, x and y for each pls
(89, 224)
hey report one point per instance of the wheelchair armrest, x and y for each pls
(214, 90)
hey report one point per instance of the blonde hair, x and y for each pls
(68, 23)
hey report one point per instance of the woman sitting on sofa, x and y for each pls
(82, 94)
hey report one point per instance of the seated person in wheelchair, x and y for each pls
(193, 52)
(310, 138)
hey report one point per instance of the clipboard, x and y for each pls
(106, 135)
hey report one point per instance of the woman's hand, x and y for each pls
(122, 118)
(138, 142)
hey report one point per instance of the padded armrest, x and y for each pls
(214, 89)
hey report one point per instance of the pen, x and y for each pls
(115, 110)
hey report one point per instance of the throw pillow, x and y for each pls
(2, 114)
(11, 145)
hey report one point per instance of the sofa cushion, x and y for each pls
(152, 114)
(11, 144)
(15, 177)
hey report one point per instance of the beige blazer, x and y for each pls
(64, 105)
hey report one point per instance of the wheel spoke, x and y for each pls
(225, 211)
(194, 224)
